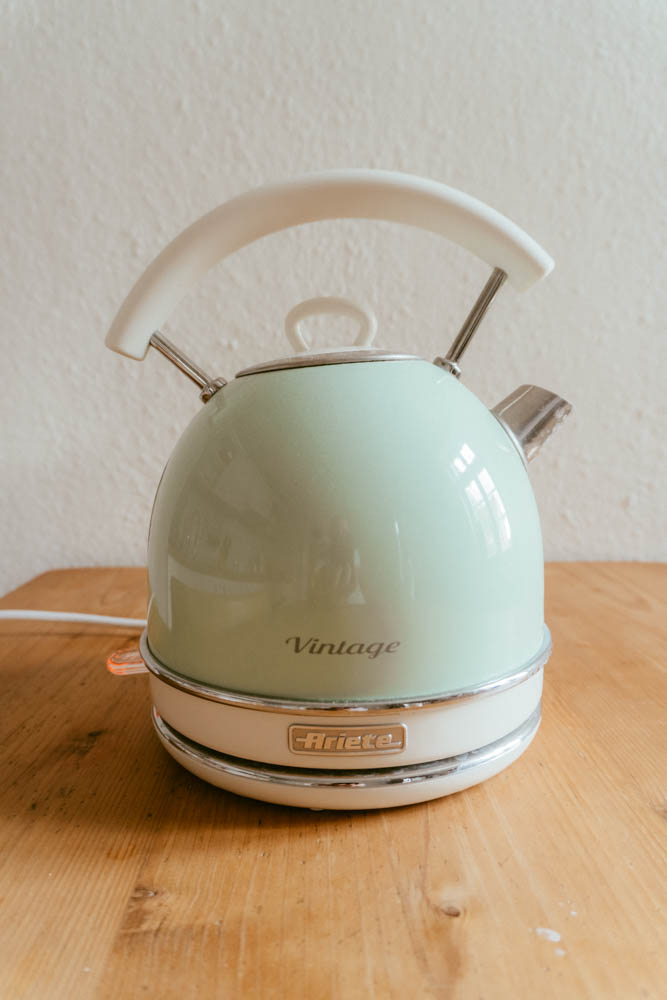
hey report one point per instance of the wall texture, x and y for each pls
(125, 121)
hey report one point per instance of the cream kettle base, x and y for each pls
(361, 755)
(375, 788)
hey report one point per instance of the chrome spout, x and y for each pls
(530, 415)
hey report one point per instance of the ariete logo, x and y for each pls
(347, 739)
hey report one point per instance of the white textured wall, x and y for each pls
(124, 121)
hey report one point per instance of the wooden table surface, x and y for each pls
(122, 875)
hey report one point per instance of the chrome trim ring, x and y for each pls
(328, 358)
(263, 703)
(371, 778)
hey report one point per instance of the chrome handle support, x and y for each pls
(208, 386)
(472, 321)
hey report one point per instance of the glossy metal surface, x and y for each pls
(342, 777)
(208, 386)
(265, 704)
(472, 321)
(530, 415)
(379, 510)
(344, 357)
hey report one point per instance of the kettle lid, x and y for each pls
(309, 357)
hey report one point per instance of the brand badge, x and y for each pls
(347, 740)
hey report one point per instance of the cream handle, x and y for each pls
(351, 194)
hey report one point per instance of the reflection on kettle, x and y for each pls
(334, 576)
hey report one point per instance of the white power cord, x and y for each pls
(72, 616)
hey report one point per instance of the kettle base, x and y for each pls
(374, 788)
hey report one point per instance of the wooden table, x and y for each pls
(122, 876)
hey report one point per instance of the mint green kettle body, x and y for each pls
(364, 530)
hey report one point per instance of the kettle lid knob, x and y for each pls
(327, 306)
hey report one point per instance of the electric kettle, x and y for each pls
(345, 557)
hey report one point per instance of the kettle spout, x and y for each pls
(530, 415)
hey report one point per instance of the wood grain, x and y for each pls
(122, 876)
